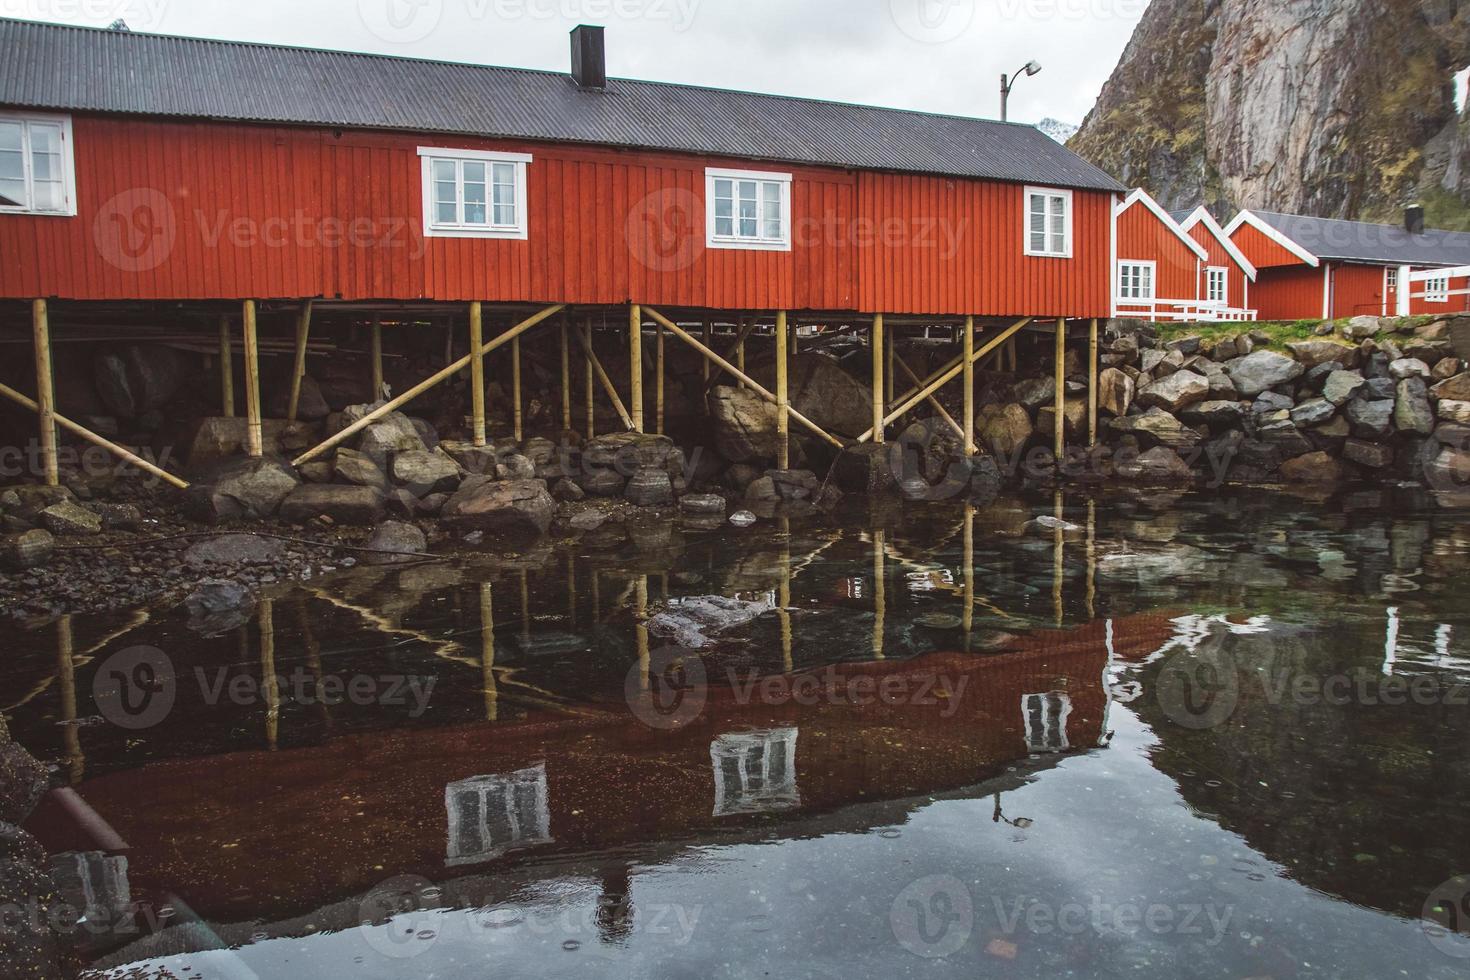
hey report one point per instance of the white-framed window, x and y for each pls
(1437, 290)
(1136, 280)
(474, 193)
(1217, 285)
(490, 815)
(37, 171)
(1048, 223)
(747, 209)
(1391, 280)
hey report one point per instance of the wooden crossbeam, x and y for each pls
(595, 365)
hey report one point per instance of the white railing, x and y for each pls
(1188, 310)
(1425, 277)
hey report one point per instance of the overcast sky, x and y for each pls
(934, 55)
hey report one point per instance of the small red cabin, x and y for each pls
(1320, 268)
(1227, 276)
(1170, 271)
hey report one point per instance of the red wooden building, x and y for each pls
(1228, 274)
(140, 167)
(1319, 268)
(1158, 267)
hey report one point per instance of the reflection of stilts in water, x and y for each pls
(783, 599)
(968, 614)
(615, 909)
(487, 653)
(596, 597)
(1091, 559)
(571, 593)
(76, 761)
(640, 613)
(1391, 642)
(525, 610)
(268, 684)
(313, 661)
(880, 594)
(79, 659)
(1000, 817)
(1057, 558)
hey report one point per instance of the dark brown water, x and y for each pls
(1195, 737)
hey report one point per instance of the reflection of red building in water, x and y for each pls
(444, 803)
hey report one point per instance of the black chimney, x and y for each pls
(1414, 219)
(589, 57)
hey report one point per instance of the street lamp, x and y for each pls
(1008, 82)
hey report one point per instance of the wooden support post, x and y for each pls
(747, 324)
(516, 410)
(298, 368)
(891, 351)
(969, 427)
(783, 399)
(606, 382)
(423, 386)
(876, 342)
(704, 364)
(585, 340)
(1060, 428)
(255, 438)
(658, 380)
(45, 391)
(226, 369)
(377, 360)
(565, 350)
(1011, 354)
(1092, 384)
(635, 367)
(729, 368)
(477, 373)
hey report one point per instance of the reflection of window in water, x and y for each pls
(755, 772)
(1046, 721)
(94, 882)
(489, 815)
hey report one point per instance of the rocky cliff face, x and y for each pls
(1340, 108)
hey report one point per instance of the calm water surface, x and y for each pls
(1193, 737)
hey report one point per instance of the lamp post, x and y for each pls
(1008, 82)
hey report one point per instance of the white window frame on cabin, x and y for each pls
(765, 183)
(1049, 231)
(1217, 275)
(1437, 290)
(30, 123)
(1390, 280)
(1138, 282)
(463, 225)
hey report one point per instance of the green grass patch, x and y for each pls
(1280, 333)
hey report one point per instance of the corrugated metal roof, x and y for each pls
(1348, 241)
(86, 69)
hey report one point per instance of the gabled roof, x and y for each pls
(1316, 239)
(1202, 216)
(47, 66)
(1141, 196)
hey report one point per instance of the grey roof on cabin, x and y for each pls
(1359, 241)
(75, 69)
(1180, 216)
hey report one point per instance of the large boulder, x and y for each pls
(395, 541)
(864, 468)
(627, 452)
(1341, 386)
(248, 489)
(1004, 428)
(69, 519)
(1263, 370)
(744, 424)
(138, 378)
(1156, 427)
(1177, 391)
(824, 392)
(1036, 392)
(215, 440)
(1455, 389)
(506, 507)
(1450, 470)
(1312, 468)
(1159, 466)
(1074, 419)
(28, 549)
(359, 469)
(1310, 353)
(1362, 327)
(1371, 420)
(1215, 414)
(1454, 411)
(1373, 455)
(650, 487)
(1115, 392)
(1312, 412)
(311, 405)
(1412, 411)
(424, 471)
(357, 506)
(394, 433)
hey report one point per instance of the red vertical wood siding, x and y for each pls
(1288, 293)
(1420, 307)
(1142, 237)
(179, 210)
(1238, 281)
(1357, 290)
(1262, 252)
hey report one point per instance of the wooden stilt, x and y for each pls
(377, 360)
(423, 386)
(658, 379)
(890, 351)
(606, 382)
(1061, 402)
(729, 368)
(226, 369)
(255, 439)
(747, 324)
(585, 339)
(564, 348)
(477, 373)
(517, 410)
(969, 427)
(1092, 384)
(876, 343)
(45, 391)
(1011, 354)
(298, 368)
(783, 400)
(704, 364)
(635, 368)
